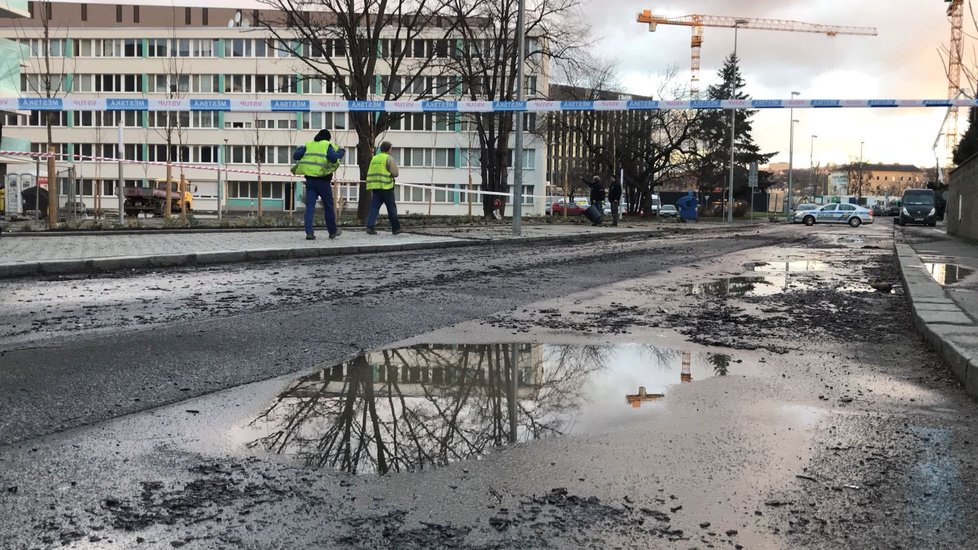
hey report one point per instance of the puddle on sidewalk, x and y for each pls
(429, 405)
(947, 274)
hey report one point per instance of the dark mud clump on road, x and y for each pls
(553, 520)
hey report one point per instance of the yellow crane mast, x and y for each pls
(698, 21)
(955, 14)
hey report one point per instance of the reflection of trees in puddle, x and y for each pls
(720, 362)
(427, 405)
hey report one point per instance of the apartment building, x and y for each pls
(129, 52)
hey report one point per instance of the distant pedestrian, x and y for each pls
(614, 197)
(317, 160)
(597, 193)
(380, 182)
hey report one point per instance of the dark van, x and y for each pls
(918, 207)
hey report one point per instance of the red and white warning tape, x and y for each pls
(227, 169)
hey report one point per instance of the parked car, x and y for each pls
(918, 207)
(77, 208)
(851, 214)
(668, 211)
(573, 208)
(802, 207)
(622, 208)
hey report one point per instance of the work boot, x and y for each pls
(337, 234)
(398, 232)
(310, 237)
(371, 231)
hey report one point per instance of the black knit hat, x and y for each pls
(323, 135)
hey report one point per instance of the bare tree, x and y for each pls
(50, 83)
(486, 67)
(175, 80)
(648, 147)
(338, 43)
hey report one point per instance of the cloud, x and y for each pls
(902, 61)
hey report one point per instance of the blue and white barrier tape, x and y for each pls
(315, 105)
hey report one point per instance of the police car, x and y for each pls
(851, 214)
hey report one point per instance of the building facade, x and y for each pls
(101, 51)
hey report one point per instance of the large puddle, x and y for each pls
(429, 405)
(762, 279)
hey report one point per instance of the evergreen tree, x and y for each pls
(968, 145)
(714, 136)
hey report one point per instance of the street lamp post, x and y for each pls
(811, 165)
(791, 154)
(733, 125)
(859, 190)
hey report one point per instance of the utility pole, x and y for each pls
(791, 155)
(518, 172)
(733, 124)
(859, 189)
(811, 166)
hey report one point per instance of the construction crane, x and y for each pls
(697, 22)
(955, 14)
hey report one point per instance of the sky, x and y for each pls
(902, 62)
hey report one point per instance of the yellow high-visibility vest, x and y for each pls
(378, 176)
(314, 162)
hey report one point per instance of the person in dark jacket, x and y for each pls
(317, 160)
(614, 197)
(597, 193)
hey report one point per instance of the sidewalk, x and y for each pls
(944, 312)
(29, 254)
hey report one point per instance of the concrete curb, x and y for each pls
(949, 330)
(108, 264)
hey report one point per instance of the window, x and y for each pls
(205, 83)
(180, 47)
(156, 47)
(84, 12)
(205, 47)
(118, 14)
(135, 14)
(83, 48)
(238, 47)
(237, 83)
(133, 47)
(187, 13)
(203, 16)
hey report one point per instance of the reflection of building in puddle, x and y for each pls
(419, 371)
(428, 405)
(790, 266)
(947, 274)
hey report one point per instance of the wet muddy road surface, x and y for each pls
(689, 391)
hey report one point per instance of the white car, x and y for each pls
(668, 211)
(851, 214)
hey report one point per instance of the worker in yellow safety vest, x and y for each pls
(317, 160)
(380, 183)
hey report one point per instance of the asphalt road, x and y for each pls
(801, 408)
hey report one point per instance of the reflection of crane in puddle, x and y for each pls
(685, 375)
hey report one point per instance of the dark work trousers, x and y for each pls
(615, 206)
(383, 197)
(317, 188)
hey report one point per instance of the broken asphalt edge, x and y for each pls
(949, 330)
(115, 263)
